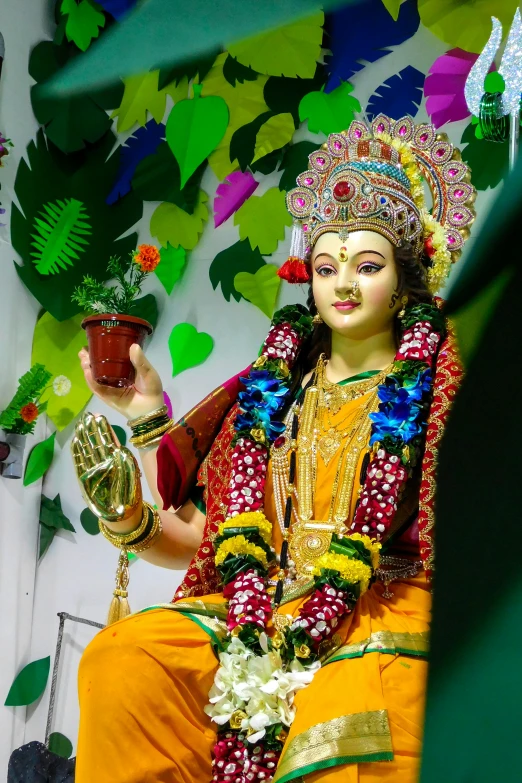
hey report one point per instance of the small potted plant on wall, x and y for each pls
(112, 328)
(19, 419)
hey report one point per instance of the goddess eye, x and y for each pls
(370, 269)
(325, 270)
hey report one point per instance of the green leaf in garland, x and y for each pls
(84, 21)
(240, 257)
(295, 161)
(120, 434)
(49, 176)
(172, 225)
(157, 178)
(171, 267)
(29, 684)
(329, 113)
(489, 161)
(39, 460)
(146, 307)
(61, 229)
(262, 220)
(260, 288)
(275, 133)
(194, 129)
(236, 72)
(89, 522)
(60, 744)
(188, 347)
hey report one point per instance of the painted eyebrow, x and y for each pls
(360, 253)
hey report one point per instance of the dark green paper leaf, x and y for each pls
(147, 308)
(171, 267)
(157, 178)
(199, 66)
(120, 434)
(46, 536)
(89, 522)
(60, 744)
(51, 514)
(233, 71)
(39, 460)
(243, 141)
(228, 263)
(295, 161)
(29, 684)
(268, 163)
(489, 160)
(84, 20)
(283, 94)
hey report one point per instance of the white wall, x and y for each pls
(76, 574)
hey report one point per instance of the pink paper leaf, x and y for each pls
(444, 87)
(166, 400)
(231, 193)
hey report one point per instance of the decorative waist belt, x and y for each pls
(391, 568)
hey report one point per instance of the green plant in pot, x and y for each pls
(112, 329)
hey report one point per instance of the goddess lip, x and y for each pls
(346, 305)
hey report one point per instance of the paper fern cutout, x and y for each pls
(61, 231)
(399, 95)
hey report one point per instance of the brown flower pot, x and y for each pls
(110, 338)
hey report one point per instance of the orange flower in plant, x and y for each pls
(147, 257)
(29, 412)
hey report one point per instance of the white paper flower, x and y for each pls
(61, 385)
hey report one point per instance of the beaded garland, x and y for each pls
(252, 731)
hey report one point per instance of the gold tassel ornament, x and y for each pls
(119, 607)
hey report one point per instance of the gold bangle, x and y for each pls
(147, 416)
(141, 441)
(154, 534)
(124, 539)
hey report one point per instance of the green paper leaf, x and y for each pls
(89, 522)
(120, 434)
(489, 161)
(51, 514)
(494, 82)
(239, 257)
(170, 224)
(260, 288)
(243, 142)
(142, 97)
(236, 72)
(194, 129)
(295, 161)
(284, 95)
(158, 178)
(262, 220)
(57, 344)
(60, 744)
(188, 347)
(145, 307)
(329, 113)
(273, 134)
(39, 460)
(188, 70)
(290, 50)
(268, 163)
(46, 537)
(29, 684)
(171, 267)
(393, 7)
(49, 176)
(61, 230)
(84, 21)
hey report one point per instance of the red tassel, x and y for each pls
(294, 270)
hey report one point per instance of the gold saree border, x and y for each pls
(385, 642)
(349, 739)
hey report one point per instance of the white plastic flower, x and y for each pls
(61, 385)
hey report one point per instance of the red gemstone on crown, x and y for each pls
(343, 191)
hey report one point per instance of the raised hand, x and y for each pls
(108, 474)
(144, 396)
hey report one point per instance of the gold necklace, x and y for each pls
(334, 395)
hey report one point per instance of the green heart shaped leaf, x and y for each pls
(260, 288)
(29, 684)
(171, 266)
(120, 434)
(89, 522)
(39, 460)
(60, 744)
(329, 113)
(188, 347)
(262, 220)
(194, 130)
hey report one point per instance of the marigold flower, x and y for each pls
(29, 412)
(147, 257)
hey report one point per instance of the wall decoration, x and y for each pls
(398, 96)
(171, 224)
(84, 20)
(260, 288)
(172, 266)
(243, 143)
(52, 519)
(29, 684)
(240, 257)
(393, 7)
(329, 112)
(2, 52)
(231, 194)
(233, 71)
(60, 744)
(488, 160)
(290, 50)
(283, 94)
(143, 143)
(22, 412)
(188, 70)
(89, 522)
(444, 87)
(262, 220)
(48, 177)
(194, 129)
(117, 8)
(273, 134)
(158, 178)
(142, 97)
(168, 403)
(464, 25)
(120, 434)
(354, 42)
(188, 347)
(40, 460)
(294, 162)
(61, 230)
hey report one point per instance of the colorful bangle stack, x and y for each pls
(140, 539)
(148, 430)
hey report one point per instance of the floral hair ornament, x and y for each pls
(371, 178)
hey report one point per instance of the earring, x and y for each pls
(402, 311)
(316, 320)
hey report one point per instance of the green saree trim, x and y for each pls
(210, 617)
(349, 739)
(387, 643)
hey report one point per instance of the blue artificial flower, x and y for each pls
(264, 391)
(411, 391)
(259, 418)
(399, 420)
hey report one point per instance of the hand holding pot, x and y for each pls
(145, 395)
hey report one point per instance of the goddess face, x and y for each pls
(355, 283)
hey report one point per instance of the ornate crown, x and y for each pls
(372, 179)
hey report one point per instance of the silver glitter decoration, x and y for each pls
(511, 67)
(474, 87)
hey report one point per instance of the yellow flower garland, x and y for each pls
(354, 571)
(250, 519)
(238, 545)
(372, 546)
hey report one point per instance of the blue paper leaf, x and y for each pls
(354, 38)
(117, 8)
(399, 95)
(144, 142)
